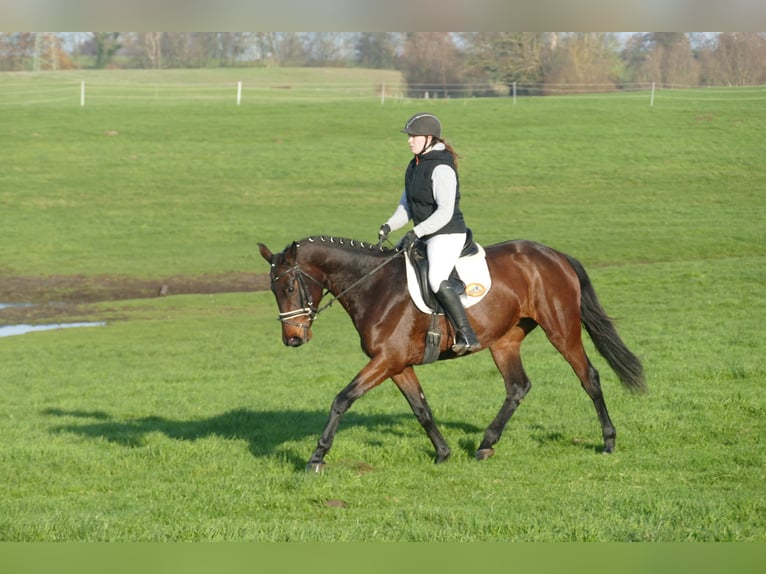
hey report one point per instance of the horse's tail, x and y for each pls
(604, 334)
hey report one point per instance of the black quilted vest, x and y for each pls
(419, 188)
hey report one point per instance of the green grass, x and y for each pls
(188, 419)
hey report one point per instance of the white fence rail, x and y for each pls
(86, 92)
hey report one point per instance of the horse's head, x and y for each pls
(297, 294)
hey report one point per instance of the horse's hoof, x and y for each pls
(315, 467)
(485, 453)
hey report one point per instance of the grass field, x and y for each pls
(187, 420)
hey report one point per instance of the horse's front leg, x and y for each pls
(374, 373)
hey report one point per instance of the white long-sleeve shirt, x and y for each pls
(445, 190)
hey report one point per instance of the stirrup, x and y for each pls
(463, 345)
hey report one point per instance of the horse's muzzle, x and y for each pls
(296, 338)
(294, 341)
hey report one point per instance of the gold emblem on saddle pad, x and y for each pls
(475, 290)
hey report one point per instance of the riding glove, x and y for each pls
(383, 232)
(407, 241)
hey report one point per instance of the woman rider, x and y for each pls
(431, 199)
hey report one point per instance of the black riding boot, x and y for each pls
(465, 339)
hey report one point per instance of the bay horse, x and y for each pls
(532, 285)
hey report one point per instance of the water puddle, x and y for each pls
(9, 330)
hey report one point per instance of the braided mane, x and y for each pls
(345, 243)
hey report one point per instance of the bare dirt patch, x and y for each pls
(58, 297)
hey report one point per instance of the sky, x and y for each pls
(388, 16)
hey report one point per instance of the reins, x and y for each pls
(355, 283)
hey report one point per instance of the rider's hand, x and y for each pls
(383, 232)
(407, 241)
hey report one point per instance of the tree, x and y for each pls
(16, 50)
(431, 64)
(324, 48)
(152, 49)
(508, 57)
(741, 58)
(677, 62)
(106, 45)
(232, 46)
(663, 57)
(376, 50)
(36, 51)
(291, 50)
(585, 61)
(205, 50)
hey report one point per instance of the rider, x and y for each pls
(431, 199)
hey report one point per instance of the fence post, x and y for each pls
(82, 93)
(651, 100)
(383, 94)
(514, 93)
(239, 92)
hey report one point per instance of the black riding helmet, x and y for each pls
(423, 125)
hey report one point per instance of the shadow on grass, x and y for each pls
(265, 431)
(545, 437)
(540, 436)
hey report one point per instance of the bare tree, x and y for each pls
(264, 44)
(231, 46)
(152, 49)
(663, 57)
(175, 49)
(585, 61)
(324, 48)
(741, 58)
(431, 63)
(204, 50)
(678, 65)
(291, 51)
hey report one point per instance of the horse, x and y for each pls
(532, 285)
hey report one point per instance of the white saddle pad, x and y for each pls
(473, 271)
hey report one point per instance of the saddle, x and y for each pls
(471, 267)
(419, 259)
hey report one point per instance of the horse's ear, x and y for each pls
(266, 253)
(293, 250)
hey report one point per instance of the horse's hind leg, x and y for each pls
(575, 355)
(408, 384)
(507, 355)
(592, 385)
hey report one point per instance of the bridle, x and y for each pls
(307, 307)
